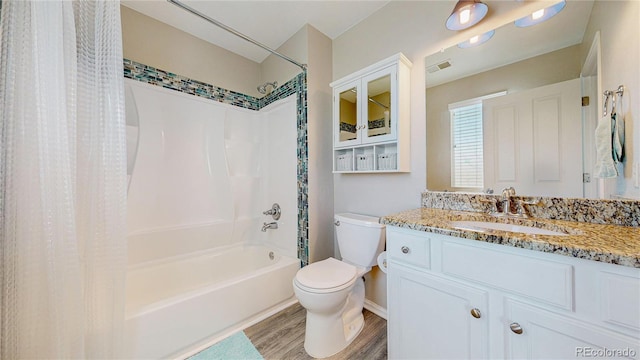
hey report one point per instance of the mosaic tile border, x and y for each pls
(303, 170)
(373, 124)
(298, 85)
(348, 127)
(168, 80)
(289, 88)
(376, 124)
(595, 211)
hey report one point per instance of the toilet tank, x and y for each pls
(360, 238)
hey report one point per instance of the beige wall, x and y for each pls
(619, 27)
(296, 47)
(156, 44)
(541, 70)
(415, 28)
(312, 47)
(319, 136)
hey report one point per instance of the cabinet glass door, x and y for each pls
(379, 106)
(379, 110)
(348, 115)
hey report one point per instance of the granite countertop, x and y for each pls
(614, 244)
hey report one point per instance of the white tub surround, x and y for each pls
(204, 172)
(176, 305)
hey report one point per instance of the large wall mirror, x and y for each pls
(536, 133)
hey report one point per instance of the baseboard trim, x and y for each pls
(375, 308)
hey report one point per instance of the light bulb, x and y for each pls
(477, 40)
(541, 15)
(465, 16)
(538, 14)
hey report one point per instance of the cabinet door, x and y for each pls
(535, 333)
(431, 317)
(347, 124)
(379, 105)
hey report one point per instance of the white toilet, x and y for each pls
(332, 291)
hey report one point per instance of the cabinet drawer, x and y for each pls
(408, 248)
(546, 281)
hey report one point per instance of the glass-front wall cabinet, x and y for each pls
(365, 109)
(371, 118)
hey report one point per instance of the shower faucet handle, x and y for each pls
(274, 211)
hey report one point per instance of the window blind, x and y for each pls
(466, 142)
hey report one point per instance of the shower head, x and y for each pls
(262, 89)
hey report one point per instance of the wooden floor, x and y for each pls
(281, 337)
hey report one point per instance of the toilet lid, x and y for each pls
(326, 274)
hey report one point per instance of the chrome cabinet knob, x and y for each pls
(405, 249)
(476, 313)
(516, 328)
(337, 223)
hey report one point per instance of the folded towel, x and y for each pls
(605, 167)
(617, 122)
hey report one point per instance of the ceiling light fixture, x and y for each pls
(466, 13)
(477, 40)
(541, 15)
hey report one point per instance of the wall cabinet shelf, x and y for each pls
(367, 158)
(454, 298)
(371, 118)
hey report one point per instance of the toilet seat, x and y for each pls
(326, 276)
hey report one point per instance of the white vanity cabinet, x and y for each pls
(450, 297)
(549, 335)
(371, 118)
(432, 317)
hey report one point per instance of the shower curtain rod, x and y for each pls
(236, 33)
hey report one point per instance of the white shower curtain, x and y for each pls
(62, 180)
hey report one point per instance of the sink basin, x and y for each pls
(485, 225)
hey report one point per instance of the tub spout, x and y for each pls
(271, 225)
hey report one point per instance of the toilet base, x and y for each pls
(328, 335)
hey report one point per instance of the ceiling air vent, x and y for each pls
(439, 66)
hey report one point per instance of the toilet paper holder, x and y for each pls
(382, 261)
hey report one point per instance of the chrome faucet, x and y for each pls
(507, 193)
(271, 225)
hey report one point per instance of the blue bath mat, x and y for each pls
(235, 347)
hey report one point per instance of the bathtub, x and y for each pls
(179, 305)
